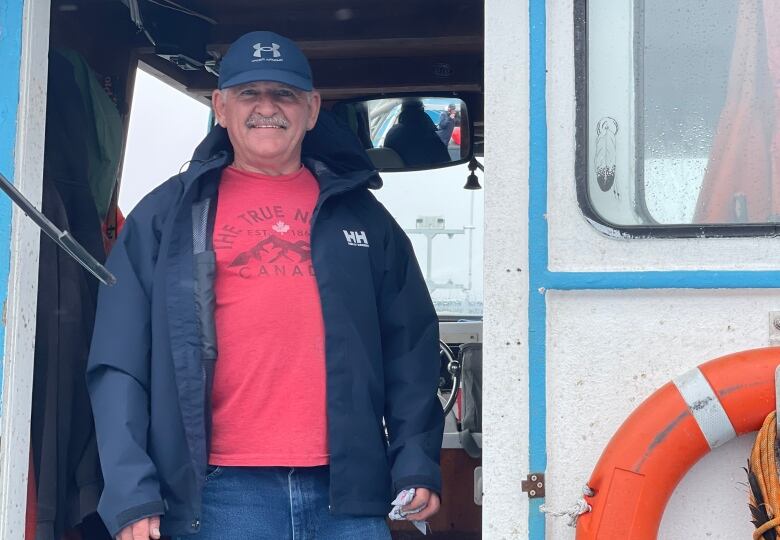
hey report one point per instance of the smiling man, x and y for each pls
(266, 365)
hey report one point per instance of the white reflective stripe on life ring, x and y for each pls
(705, 407)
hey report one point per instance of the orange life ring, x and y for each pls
(667, 434)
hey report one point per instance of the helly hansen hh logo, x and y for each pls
(356, 238)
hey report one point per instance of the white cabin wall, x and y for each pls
(607, 352)
(505, 393)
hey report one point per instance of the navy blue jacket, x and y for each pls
(154, 348)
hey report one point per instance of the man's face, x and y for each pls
(266, 121)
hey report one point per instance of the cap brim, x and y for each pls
(271, 75)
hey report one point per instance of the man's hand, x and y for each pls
(423, 497)
(143, 529)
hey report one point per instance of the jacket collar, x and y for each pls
(330, 151)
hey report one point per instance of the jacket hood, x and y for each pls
(329, 143)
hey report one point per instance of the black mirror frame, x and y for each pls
(457, 95)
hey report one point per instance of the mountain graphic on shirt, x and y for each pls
(274, 248)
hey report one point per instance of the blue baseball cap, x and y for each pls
(264, 56)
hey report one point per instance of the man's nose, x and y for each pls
(265, 104)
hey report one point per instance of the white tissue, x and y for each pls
(396, 514)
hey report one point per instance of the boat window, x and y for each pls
(678, 120)
(444, 222)
(165, 127)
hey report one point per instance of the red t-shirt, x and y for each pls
(269, 384)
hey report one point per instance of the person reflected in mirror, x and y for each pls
(414, 137)
(447, 122)
(266, 365)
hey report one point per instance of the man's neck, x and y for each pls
(268, 169)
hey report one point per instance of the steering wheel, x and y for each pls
(453, 368)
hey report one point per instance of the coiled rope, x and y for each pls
(764, 482)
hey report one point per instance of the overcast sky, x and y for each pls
(165, 127)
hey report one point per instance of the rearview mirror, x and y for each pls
(410, 132)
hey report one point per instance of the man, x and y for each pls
(248, 382)
(447, 122)
(414, 136)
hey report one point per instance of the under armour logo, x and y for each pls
(356, 238)
(259, 50)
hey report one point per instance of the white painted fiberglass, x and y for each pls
(609, 350)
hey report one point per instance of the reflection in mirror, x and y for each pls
(414, 132)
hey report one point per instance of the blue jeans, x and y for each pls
(277, 503)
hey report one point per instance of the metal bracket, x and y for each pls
(777, 395)
(774, 328)
(534, 485)
(478, 486)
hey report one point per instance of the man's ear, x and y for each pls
(314, 109)
(218, 104)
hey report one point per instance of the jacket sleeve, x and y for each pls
(410, 346)
(118, 379)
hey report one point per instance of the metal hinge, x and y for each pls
(534, 485)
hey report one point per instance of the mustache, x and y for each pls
(258, 120)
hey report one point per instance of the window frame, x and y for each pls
(653, 229)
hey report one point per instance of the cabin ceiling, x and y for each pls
(356, 47)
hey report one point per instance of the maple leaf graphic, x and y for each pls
(281, 227)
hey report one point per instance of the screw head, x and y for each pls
(776, 323)
(532, 493)
(533, 478)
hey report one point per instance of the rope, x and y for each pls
(759, 533)
(579, 508)
(764, 482)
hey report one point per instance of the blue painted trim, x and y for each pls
(10, 60)
(537, 207)
(681, 279)
(535, 519)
